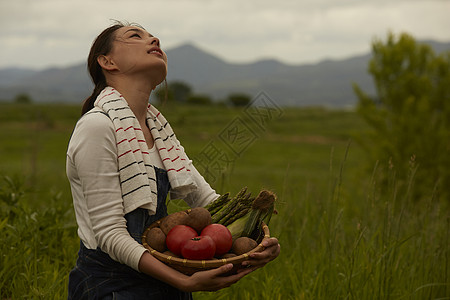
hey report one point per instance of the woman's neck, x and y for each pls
(136, 94)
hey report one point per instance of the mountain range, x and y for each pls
(327, 83)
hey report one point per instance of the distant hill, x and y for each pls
(327, 83)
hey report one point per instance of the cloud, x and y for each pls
(59, 32)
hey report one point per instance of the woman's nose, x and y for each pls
(155, 40)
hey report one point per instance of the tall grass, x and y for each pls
(340, 245)
(37, 248)
(341, 236)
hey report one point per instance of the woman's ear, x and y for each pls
(106, 63)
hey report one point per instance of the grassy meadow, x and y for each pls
(341, 236)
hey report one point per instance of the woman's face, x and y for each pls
(135, 51)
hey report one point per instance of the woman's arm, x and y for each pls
(93, 151)
(211, 280)
(203, 195)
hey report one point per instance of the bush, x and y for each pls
(199, 100)
(410, 114)
(239, 100)
(23, 98)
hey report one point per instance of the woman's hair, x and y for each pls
(101, 46)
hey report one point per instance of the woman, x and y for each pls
(123, 159)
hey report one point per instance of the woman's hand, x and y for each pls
(210, 280)
(213, 280)
(260, 259)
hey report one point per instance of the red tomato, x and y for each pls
(177, 236)
(200, 247)
(221, 237)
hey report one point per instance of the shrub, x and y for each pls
(410, 114)
(199, 100)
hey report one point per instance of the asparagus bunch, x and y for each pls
(217, 204)
(243, 213)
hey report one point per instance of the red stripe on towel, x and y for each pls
(172, 169)
(124, 153)
(121, 141)
(106, 95)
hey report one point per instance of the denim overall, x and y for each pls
(97, 276)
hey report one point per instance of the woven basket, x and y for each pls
(189, 267)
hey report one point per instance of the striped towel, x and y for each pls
(137, 174)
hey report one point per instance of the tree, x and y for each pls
(199, 100)
(239, 99)
(23, 98)
(180, 91)
(174, 91)
(163, 94)
(410, 115)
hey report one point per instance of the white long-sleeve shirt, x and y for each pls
(92, 170)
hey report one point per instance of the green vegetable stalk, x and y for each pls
(228, 206)
(261, 210)
(217, 204)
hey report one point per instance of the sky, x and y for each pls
(58, 33)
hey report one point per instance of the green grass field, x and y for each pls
(341, 237)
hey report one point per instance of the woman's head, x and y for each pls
(108, 55)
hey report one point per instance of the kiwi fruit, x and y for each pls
(156, 239)
(170, 221)
(242, 245)
(198, 218)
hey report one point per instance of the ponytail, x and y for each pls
(88, 103)
(101, 46)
